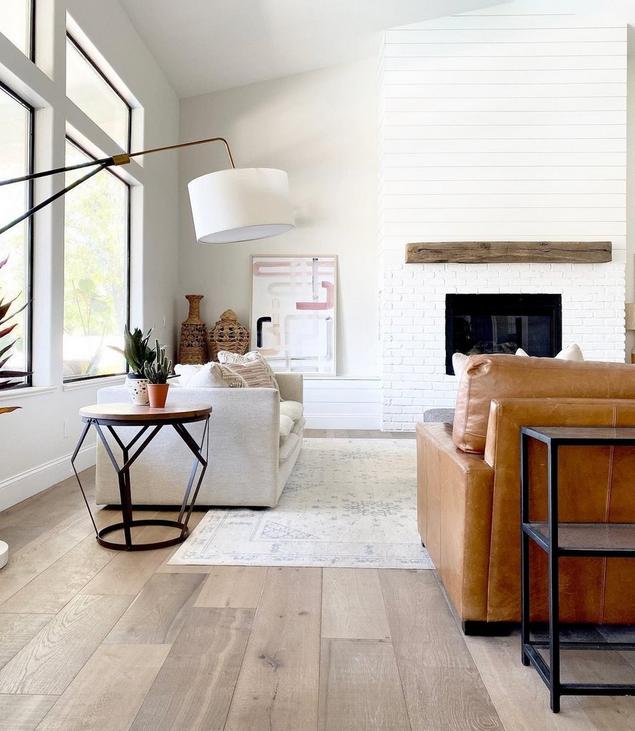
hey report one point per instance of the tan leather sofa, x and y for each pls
(468, 500)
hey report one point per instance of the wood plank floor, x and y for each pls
(96, 639)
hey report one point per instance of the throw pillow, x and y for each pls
(209, 376)
(458, 363)
(251, 366)
(572, 352)
(186, 372)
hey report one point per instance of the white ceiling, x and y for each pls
(207, 45)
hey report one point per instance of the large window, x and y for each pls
(94, 94)
(96, 265)
(17, 24)
(16, 136)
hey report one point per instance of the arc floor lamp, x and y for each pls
(228, 206)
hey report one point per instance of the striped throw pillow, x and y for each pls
(252, 367)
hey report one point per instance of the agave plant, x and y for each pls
(7, 376)
(136, 350)
(159, 368)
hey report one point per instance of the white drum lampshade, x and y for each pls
(240, 204)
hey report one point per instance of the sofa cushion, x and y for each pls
(251, 366)
(488, 377)
(286, 425)
(293, 409)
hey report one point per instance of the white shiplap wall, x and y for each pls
(501, 124)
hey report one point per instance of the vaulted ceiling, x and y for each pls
(208, 45)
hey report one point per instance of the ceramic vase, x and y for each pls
(138, 389)
(193, 342)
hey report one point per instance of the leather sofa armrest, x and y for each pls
(454, 506)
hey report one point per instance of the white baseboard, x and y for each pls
(342, 403)
(28, 483)
(343, 421)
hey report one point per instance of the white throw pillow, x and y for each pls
(286, 425)
(208, 376)
(292, 409)
(572, 352)
(186, 372)
(458, 363)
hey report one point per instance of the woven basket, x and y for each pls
(228, 334)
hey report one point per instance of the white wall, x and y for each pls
(38, 439)
(502, 124)
(321, 128)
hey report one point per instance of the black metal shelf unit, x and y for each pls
(610, 540)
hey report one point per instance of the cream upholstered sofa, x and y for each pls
(249, 463)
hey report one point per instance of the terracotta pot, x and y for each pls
(158, 393)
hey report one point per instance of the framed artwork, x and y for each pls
(293, 312)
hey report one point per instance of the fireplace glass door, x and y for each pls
(502, 323)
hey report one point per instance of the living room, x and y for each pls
(311, 315)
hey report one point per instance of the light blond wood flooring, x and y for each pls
(96, 639)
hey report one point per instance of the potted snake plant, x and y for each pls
(137, 354)
(8, 374)
(157, 371)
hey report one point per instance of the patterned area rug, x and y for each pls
(349, 503)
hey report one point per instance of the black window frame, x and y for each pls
(30, 52)
(27, 381)
(32, 34)
(82, 51)
(69, 138)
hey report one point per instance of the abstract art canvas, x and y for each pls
(293, 312)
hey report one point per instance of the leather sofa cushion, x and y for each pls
(488, 377)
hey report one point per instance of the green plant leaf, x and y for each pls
(4, 306)
(7, 330)
(7, 348)
(13, 314)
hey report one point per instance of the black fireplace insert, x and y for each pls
(502, 323)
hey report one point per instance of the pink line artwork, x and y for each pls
(328, 305)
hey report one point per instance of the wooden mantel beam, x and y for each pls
(509, 252)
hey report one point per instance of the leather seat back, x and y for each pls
(488, 377)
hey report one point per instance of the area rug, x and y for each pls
(348, 503)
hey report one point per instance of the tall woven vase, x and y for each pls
(193, 342)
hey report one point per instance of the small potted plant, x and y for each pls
(157, 371)
(138, 354)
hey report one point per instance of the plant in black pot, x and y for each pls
(138, 354)
(157, 371)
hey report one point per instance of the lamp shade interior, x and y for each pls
(240, 204)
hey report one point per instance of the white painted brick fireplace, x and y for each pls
(501, 124)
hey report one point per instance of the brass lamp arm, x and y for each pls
(120, 159)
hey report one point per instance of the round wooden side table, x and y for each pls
(109, 416)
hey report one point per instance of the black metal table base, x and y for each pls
(184, 532)
(123, 474)
(548, 539)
